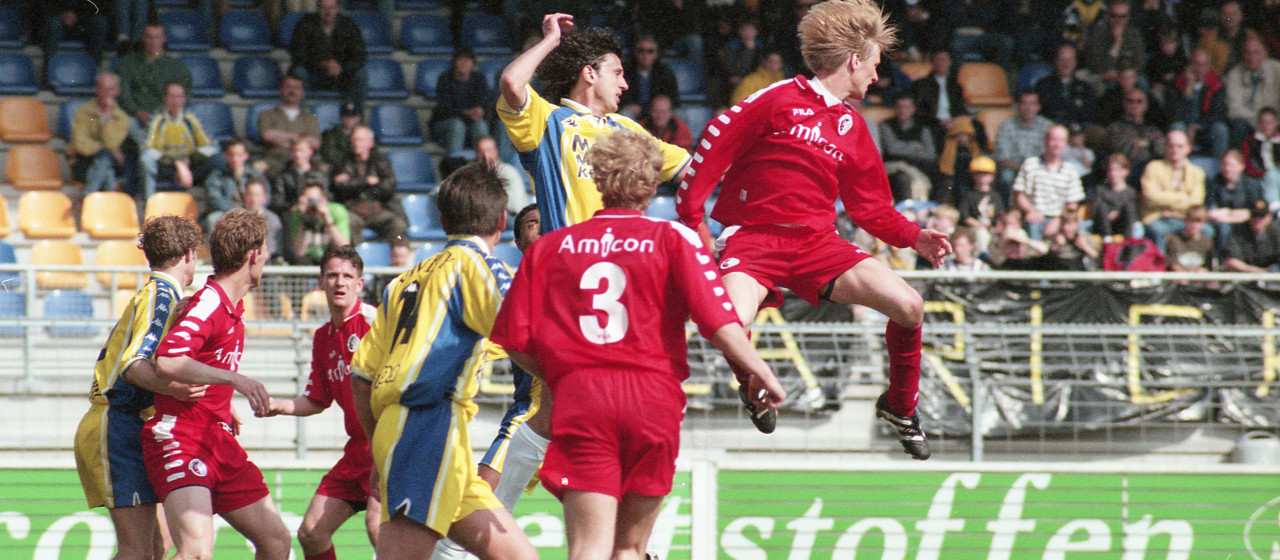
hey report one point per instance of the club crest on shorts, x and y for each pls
(729, 263)
(353, 342)
(845, 123)
(197, 467)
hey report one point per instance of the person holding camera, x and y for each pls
(314, 223)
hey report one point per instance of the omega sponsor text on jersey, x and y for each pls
(606, 245)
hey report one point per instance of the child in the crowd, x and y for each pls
(980, 206)
(1115, 204)
(1190, 250)
(963, 257)
(1076, 153)
(1074, 250)
(1011, 245)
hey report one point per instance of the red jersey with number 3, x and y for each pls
(211, 331)
(613, 293)
(330, 380)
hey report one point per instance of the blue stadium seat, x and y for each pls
(256, 77)
(376, 31)
(486, 34)
(74, 305)
(1031, 73)
(13, 305)
(424, 217)
(172, 3)
(417, 4)
(492, 68)
(287, 23)
(9, 280)
(215, 117)
(662, 207)
(10, 29)
(186, 30)
(251, 118)
(509, 254)
(244, 31)
(696, 116)
(1209, 164)
(375, 253)
(690, 78)
(71, 73)
(327, 113)
(66, 113)
(428, 72)
(395, 124)
(414, 170)
(425, 34)
(425, 251)
(386, 79)
(206, 76)
(17, 74)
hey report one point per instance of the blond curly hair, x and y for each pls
(835, 30)
(625, 166)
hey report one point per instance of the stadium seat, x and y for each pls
(45, 215)
(375, 253)
(66, 114)
(58, 252)
(395, 124)
(492, 69)
(696, 117)
(109, 215)
(486, 34)
(1211, 165)
(425, 34)
(9, 279)
(75, 308)
(215, 118)
(33, 167)
(875, 115)
(6, 228)
(17, 74)
(11, 29)
(508, 253)
(287, 23)
(414, 170)
(23, 119)
(1031, 73)
(251, 118)
(915, 70)
(253, 313)
(385, 79)
(427, 250)
(186, 30)
(13, 305)
(417, 4)
(244, 31)
(256, 77)
(71, 73)
(691, 80)
(314, 306)
(206, 77)
(991, 120)
(172, 203)
(984, 85)
(376, 31)
(424, 217)
(662, 207)
(119, 252)
(427, 74)
(327, 113)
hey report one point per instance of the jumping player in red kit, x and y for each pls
(598, 311)
(789, 151)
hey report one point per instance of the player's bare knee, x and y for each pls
(910, 311)
(275, 543)
(308, 537)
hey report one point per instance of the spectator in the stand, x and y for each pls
(1079, 15)
(254, 199)
(280, 126)
(1262, 154)
(964, 253)
(907, 145)
(175, 145)
(98, 131)
(1115, 203)
(675, 24)
(1132, 136)
(1225, 44)
(1198, 105)
(461, 94)
(315, 223)
(958, 150)
(1167, 61)
(1064, 98)
(981, 207)
(647, 77)
(1111, 43)
(769, 72)
(328, 52)
(979, 28)
(74, 19)
(661, 121)
(1047, 187)
(130, 17)
(1111, 103)
(1152, 18)
(144, 75)
(939, 95)
(1072, 249)
(740, 56)
(401, 257)
(335, 143)
(517, 194)
(366, 185)
(1019, 137)
(1255, 248)
(1170, 186)
(1251, 85)
(1011, 247)
(304, 168)
(1079, 154)
(1191, 250)
(223, 187)
(1230, 195)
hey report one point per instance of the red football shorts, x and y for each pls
(795, 258)
(179, 452)
(349, 478)
(613, 433)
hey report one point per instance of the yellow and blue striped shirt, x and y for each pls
(135, 337)
(176, 137)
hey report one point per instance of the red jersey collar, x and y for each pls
(236, 311)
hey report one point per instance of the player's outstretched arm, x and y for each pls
(297, 406)
(933, 245)
(185, 369)
(518, 74)
(765, 390)
(143, 374)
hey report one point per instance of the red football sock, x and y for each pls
(903, 345)
(326, 555)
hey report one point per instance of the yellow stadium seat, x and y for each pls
(173, 203)
(991, 120)
(45, 214)
(314, 305)
(875, 115)
(118, 252)
(5, 227)
(58, 252)
(251, 316)
(109, 215)
(915, 70)
(33, 167)
(23, 119)
(984, 85)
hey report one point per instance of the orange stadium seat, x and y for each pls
(915, 70)
(314, 305)
(875, 115)
(58, 252)
(6, 227)
(991, 120)
(109, 215)
(45, 214)
(119, 252)
(984, 85)
(173, 203)
(23, 119)
(33, 167)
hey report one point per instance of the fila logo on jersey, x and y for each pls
(802, 112)
(846, 122)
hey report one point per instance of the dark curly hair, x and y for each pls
(581, 47)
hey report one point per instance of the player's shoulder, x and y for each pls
(366, 314)
(204, 304)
